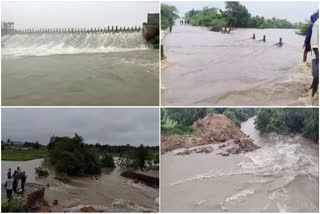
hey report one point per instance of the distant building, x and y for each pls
(153, 18)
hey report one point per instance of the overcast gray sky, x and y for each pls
(294, 11)
(107, 126)
(77, 14)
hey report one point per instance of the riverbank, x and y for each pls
(261, 74)
(23, 155)
(273, 178)
(150, 178)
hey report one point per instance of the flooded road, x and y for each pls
(209, 68)
(109, 192)
(79, 69)
(281, 176)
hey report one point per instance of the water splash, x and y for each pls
(50, 44)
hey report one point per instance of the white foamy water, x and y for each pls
(281, 176)
(71, 43)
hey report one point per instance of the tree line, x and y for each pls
(283, 121)
(289, 120)
(72, 156)
(180, 120)
(235, 15)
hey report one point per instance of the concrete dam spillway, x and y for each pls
(46, 42)
(80, 67)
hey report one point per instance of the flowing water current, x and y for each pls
(281, 176)
(79, 69)
(232, 69)
(109, 192)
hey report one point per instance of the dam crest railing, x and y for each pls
(109, 29)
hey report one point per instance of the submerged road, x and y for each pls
(210, 68)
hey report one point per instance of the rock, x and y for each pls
(55, 202)
(208, 149)
(89, 209)
(224, 153)
(41, 172)
(222, 146)
(247, 145)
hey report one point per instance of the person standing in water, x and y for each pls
(314, 43)
(9, 187)
(9, 172)
(307, 46)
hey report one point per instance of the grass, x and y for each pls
(23, 155)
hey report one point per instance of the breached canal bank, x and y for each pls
(269, 179)
(150, 178)
(32, 198)
(109, 192)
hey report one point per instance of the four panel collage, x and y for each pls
(159, 106)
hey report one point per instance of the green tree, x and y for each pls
(168, 16)
(240, 14)
(73, 157)
(107, 161)
(232, 116)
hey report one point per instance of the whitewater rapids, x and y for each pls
(71, 43)
(281, 176)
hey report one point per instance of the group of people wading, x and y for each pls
(15, 182)
(184, 22)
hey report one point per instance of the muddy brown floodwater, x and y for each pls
(210, 68)
(108, 192)
(281, 176)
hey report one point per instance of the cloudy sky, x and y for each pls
(293, 11)
(76, 14)
(107, 126)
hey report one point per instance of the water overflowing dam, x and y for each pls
(49, 43)
(79, 68)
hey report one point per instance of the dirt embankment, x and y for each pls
(214, 128)
(150, 178)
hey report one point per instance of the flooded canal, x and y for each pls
(109, 192)
(281, 176)
(210, 68)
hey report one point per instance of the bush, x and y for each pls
(285, 121)
(41, 172)
(232, 116)
(14, 206)
(72, 157)
(107, 161)
(303, 29)
(155, 42)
